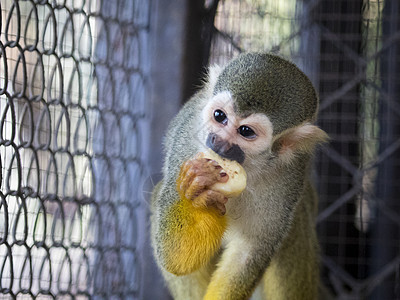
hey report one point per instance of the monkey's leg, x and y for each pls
(294, 271)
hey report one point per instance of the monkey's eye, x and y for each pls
(247, 132)
(220, 117)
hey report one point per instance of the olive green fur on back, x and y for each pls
(261, 82)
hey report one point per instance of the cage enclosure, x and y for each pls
(86, 91)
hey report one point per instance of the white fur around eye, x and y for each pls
(263, 128)
(222, 101)
(207, 124)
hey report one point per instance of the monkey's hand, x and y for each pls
(196, 177)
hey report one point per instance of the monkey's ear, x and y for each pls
(301, 139)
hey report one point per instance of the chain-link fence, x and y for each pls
(72, 114)
(350, 50)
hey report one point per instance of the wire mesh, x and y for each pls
(72, 111)
(350, 50)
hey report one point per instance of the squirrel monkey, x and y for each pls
(258, 111)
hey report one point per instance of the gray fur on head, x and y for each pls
(269, 84)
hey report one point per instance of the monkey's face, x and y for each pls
(231, 135)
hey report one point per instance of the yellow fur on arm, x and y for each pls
(193, 237)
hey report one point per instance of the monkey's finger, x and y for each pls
(207, 178)
(210, 169)
(200, 201)
(186, 175)
(186, 166)
(205, 165)
(204, 199)
(221, 208)
(216, 169)
(200, 183)
(197, 186)
(224, 200)
(192, 184)
(210, 198)
(217, 201)
(223, 176)
(213, 197)
(185, 182)
(190, 169)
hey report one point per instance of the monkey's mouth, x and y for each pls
(224, 148)
(234, 153)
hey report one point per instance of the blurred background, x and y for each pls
(87, 88)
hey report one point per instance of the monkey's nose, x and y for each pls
(224, 148)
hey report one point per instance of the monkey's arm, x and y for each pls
(187, 230)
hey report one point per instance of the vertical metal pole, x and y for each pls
(386, 230)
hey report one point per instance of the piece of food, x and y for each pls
(237, 175)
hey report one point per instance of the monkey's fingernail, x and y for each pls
(214, 163)
(222, 210)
